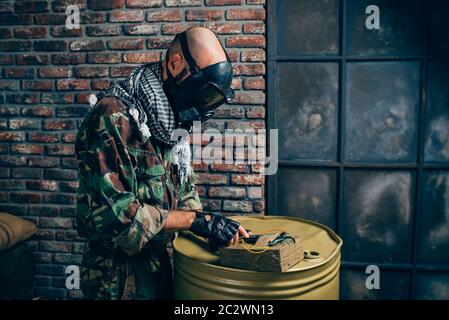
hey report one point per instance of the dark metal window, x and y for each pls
(363, 120)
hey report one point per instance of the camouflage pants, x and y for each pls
(142, 276)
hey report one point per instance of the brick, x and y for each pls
(105, 4)
(255, 97)
(50, 19)
(204, 15)
(42, 185)
(60, 174)
(58, 125)
(28, 32)
(62, 31)
(28, 173)
(164, 15)
(254, 84)
(12, 136)
(67, 58)
(228, 112)
(16, 73)
(56, 98)
(59, 198)
(9, 111)
(211, 179)
(138, 57)
(237, 206)
(224, 28)
(222, 167)
(69, 137)
(92, 17)
(245, 14)
(159, 43)
(223, 2)
(121, 71)
(140, 29)
(61, 150)
(247, 179)
(126, 16)
(227, 192)
(134, 4)
(43, 162)
(69, 186)
(246, 41)
(50, 45)
(68, 235)
(126, 44)
(259, 206)
(55, 246)
(103, 30)
(43, 138)
(6, 59)
(26, 98)
(38, 111)
(91, 72)
(255, 1)
(25, 197)
(15, 45)
(15, 19)
(87, 45)
(255, 192)
(31, 6)
(72, 84)
(55, 72)
(67, 259)
(19, 210)
(183, 3)
(100, 84)
(56, 223)
(12, 161)
(61, 5)
(42, 210)
(175, 28)
(20, 124)
(32, 59)
(11, 185)
(249, 69)
(5, 33)
(254, 28)
(27, 148)
(39, 85)
(255, 55)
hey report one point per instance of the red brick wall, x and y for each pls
(47, 73)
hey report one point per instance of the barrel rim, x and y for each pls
(331, 233)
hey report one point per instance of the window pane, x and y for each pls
(437, 113)
(401, 25)
(432, 286)
(434, 219)
(307, 27)
(381, 111)
(393, 285)
(439, 27)
(307, 110)
(308, 194)
(377, 216)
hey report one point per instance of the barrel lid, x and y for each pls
(315, 237)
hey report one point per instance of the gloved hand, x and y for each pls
(219, 230)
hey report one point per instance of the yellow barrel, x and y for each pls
(198, 274)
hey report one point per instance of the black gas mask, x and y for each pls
(196, 97)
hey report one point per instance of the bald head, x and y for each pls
(204, 47)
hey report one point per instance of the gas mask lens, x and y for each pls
(210, 96)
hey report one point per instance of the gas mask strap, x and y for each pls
(187, 55)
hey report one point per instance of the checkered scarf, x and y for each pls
(143, 95)
(147, 103)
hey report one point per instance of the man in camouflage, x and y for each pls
(132, 198)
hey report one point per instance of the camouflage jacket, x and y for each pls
(127, 183)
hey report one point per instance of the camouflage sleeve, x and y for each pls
(113, 183)
(189, 198)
